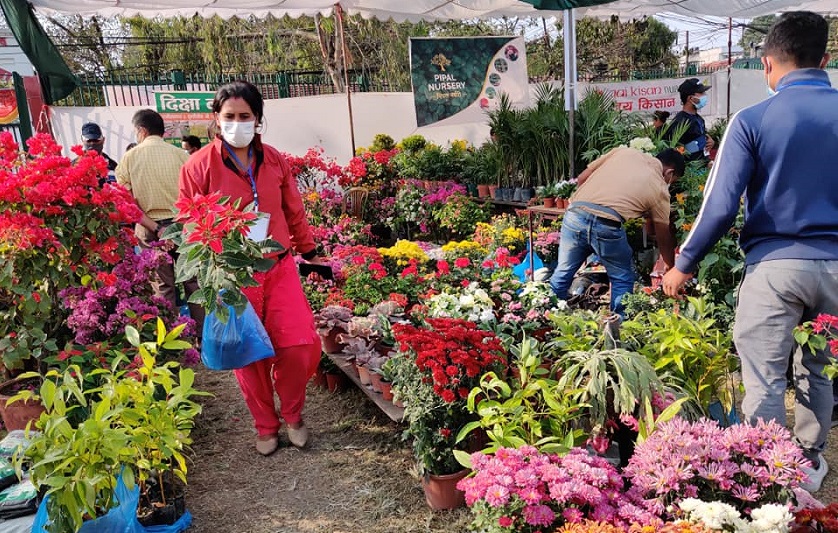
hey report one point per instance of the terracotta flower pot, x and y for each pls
(483, 191)
(375, 381)
(364, 375)
(387, 391)
(18, 414)
(336, 382)
(549, 202)
(492, 189)
(441, 492)
(330, 342)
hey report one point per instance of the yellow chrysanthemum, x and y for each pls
(403, 251)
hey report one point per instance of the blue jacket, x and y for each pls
(781, 153)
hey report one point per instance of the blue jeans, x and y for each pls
(584, 234)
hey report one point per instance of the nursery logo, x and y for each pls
(441, 61)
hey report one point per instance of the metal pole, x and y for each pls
(346, 86)
(729, 61)
(687, 57)
(570, 80)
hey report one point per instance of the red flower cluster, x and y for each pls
(824, 519)
(453, 354)
(22, 231)
(313, 160)
(208, 219)
(827, 325)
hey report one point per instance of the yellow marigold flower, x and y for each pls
(701, 188)
(687, 226)
(680, 198)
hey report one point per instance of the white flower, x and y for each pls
(714, 515)
(770, 518)
(644, 144)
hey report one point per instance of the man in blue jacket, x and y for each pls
(779, 153)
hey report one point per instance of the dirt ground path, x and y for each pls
(357, 475)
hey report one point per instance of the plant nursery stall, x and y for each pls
(538, 414)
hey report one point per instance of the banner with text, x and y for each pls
(185, 113)
(456, 80)
(642, 96)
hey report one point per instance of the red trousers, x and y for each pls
(281, 304)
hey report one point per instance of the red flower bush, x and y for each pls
(451, 353)
(58, 229)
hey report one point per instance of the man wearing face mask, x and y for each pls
(92, 139)
(695, 138)
(778, 154)
(150, 171)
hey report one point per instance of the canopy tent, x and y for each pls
(414, 10)
(398, 10)
(627, 9)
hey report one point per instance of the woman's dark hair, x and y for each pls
(240, 89)
(673, 159)
(661, 115)
(150, 120)
(798, 37)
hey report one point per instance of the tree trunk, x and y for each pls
(330, 53)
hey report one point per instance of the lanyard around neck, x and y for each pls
(248, 170)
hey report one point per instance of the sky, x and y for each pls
(707, 32)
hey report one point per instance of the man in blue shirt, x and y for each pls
(779, 155)
(694, 138)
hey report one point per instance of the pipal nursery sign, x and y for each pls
(456, 80)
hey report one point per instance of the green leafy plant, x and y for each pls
(531, 409)
(460, 215)
(689, 351)
(138, 426)
(610, 383)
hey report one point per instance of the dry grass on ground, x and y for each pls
(357, 475)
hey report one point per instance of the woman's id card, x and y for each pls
(258, 232)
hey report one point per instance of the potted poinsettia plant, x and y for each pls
(211, 236)
(439, 365)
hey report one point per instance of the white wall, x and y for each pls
(296, 124)
(292, 124)
(12, 57)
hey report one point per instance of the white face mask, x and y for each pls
(238, 134)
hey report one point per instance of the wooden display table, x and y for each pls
(550, 213)
(396, 414)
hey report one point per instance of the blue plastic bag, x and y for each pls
(182, 524)
(120, 519)
(235, 344)
(522, 270)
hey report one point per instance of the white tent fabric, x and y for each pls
(414, 10)
(628, 9)
(399, 10)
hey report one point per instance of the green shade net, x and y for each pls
(560, 5)
(56, 79)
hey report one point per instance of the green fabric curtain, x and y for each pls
(560, 5)
(57, 81)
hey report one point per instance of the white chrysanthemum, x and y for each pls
(770, 518)
(644, 144)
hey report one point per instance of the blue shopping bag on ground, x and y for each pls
(240, 341)
(522, 269)
(120, 519)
